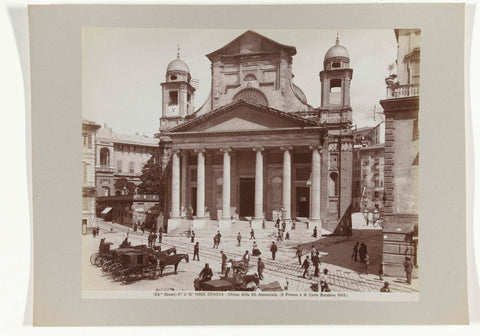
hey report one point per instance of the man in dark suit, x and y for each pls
(408, 269)
(260, 268)
(316, 263)
(306, 266)
(206, 273)
(273, 249)
(224, 262)
(299, 255)
(196, 251)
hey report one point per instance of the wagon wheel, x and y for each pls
(113, 267)
(106, 266)
(99, 261)
(126, 278)
(93, 257)
(118, 273)
(149, 272)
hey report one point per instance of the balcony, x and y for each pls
(105, 169)
(395, 90)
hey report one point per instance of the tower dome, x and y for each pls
(178, 70)
(337, 51)
(178, 65)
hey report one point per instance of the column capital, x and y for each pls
(176, 150)
(312, 148)
(199, 150)
(286, 148)
(226, 149)
(258, 149)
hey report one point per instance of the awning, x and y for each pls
(106, 210)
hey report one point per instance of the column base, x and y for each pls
(224, 223)
(257, 223)
(173, 223)
(199, 222)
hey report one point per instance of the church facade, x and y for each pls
(256, 150)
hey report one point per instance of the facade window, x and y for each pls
(333, 184)
(173, 98)
(84, 139)
(85, 203)
(104, 157)
(336, 65)
(119, 166)
(106, 191)
(132, 167)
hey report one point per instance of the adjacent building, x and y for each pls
(256, 148)
(89, 129)
(401, 154)
(120, 156)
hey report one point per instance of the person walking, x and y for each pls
(408, 265)
(306, 266)
(313, 251)
(215, 242)
(196, 251)
(380, 271)
(224, 262)
(149, 239)
(299, 255)
(260, 268)
(239, 239)
(314, 235)
(324, 281)
(355, 251)
(284, 226)
(246, 260)
(228, 267)
(252, 234)
(273, 249)
(219, 237)
(160, 236)
(287, 236)
(366, 262)
(192, 237)
(94, 232)
(277, 223)
(154, 238)
(362, 251)
(316, 263)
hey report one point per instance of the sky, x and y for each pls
(123, 68)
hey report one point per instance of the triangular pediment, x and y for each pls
(251, 42)
(243, 116)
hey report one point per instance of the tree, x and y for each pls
(151, 175)
(124, 187)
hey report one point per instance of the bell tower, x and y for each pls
(177, 94)
(335, 79)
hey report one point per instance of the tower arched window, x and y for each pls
(333, 184)
(104, 157)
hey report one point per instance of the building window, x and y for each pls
(119, 166)
(336, 65)
(333, 184)
(84, 139)
(173, 98)
(106, 191)
(104, 157)
(85, 203)
(132, 167)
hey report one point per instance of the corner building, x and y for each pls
(256, 149)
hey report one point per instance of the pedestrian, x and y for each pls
(94, 232)
(260, 268)
(287, 236)
(313, 251)
(160, 236)
(355, 251)
(215, 241)
(306, 266)
(206, 274)
(316, 263)
(143, 228)
(273, 249)
(239, 239)
(408, 269)
(224, 261)
(284, 225)
(192, 237)
(279, 234)
(314, 235)
(324, 281)
(255, 251)
(246, 260)
(196, 251)
(298, 253)
(219, 236)
(366, 262)
(252, 234)
(380, 271)
(154, 238)
(362, 251)
(228, 267)
(149, 239)
(277, 223)
(385, 288)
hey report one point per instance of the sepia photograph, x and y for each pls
(225, 163)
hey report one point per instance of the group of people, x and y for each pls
(281, 230)
(360, 250)
(95, 231)
(314, 258)
(216, 239)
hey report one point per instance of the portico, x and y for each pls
(231, 179)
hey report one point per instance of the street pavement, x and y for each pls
(344, 274)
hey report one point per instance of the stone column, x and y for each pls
(200, 215)
(287, 182)
(183, 196)
(226, 184)
(315, 191)
(175, 184)
(259, 184)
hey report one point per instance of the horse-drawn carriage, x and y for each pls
(239, 282)
(134, 265)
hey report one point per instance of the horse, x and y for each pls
(172, 260)
(165, 253)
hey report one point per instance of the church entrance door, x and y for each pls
(247, 197)
(193, 200)
(303, 201)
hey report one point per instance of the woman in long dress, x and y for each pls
(255, 251)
